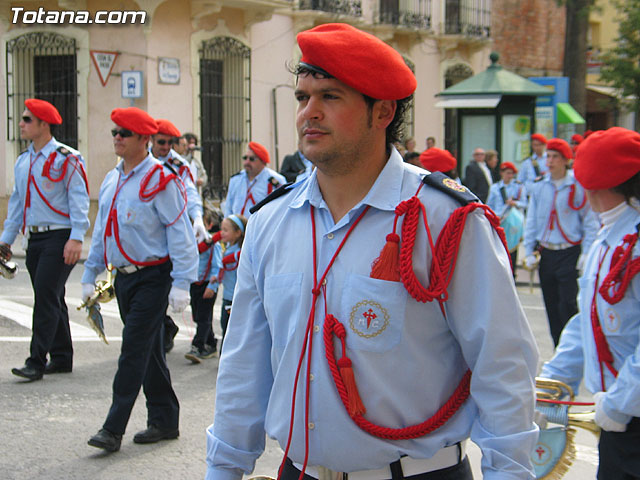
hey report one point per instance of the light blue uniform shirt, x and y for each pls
(230, 276)
(576, 353)
(578, 225)
(194, 201)
(240, 187)
(514, 190)
(145, 230)
(527, 174)
(407, 361)
(68, 195)
(205, 269)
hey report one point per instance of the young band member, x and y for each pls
(381, 371)
(49, 205)
(602, 342)
(143, 230)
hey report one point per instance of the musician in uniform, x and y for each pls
(49, 205)
(143, 230)
(534, 167)
(253, 183)
(161, 149)
(353, 368)
(561, 226)
(602, 342)
(438, 160)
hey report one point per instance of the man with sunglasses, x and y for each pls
(253, 183)
(143, 230)
(49, 205)
(161, 148)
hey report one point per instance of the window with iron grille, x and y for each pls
(43, 65)
(406, 13)
(468, 17)
(343, 7)
(225, 108)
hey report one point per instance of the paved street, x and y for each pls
(44, 426)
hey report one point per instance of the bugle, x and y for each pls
(104, 292)
(8, 269)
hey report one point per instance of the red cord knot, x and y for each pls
(393, 237)
(344, 362)
(404, 206)
(315, 291)
(339, 330)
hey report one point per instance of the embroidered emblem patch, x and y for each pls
(612, 321)
(453, 185)
(48, 185)
(542, 455)
(129, 216)
(368, 319)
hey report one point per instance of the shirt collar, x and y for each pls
(385, 194)
(50, 146)
(141, 166)
(615, 234)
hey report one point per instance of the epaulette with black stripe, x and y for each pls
(448, 185)
(273, 181)
(236, 174)
(171, 168)
(63, 150)
(283, 190)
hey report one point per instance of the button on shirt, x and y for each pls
(194, 201)
(577, 225)
(68, 195)
(240, 187)
(527, 173)
(513, 190)
(407, 358)
(576, 354)
(146, 230)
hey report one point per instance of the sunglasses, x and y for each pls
(163, 142)
(250, 158)
(124, 133)
(27, 119)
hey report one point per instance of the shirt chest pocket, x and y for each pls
(282, 294)
(131, 213)
(372, 312)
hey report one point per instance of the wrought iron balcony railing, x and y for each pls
(468, 17)
(407, 13)
(343, 7)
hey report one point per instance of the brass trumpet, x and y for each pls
(558, 413)
(8, 269)
(104, 292)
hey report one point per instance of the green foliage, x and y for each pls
(621, 64)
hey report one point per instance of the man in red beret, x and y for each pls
(334, 347)
(250, 185)
(600, 344)
(535, 166)
(506, 195)
(438, 160)
(161, 148)
(561, 226)
(49, 205)
(142, 231)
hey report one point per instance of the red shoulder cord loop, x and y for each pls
(572, 194)
(342, 373)
(229, 263)
(62, 171)
(147, 194)
(554, 218)
(621, 271)
(185, 168)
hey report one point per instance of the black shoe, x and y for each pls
(55, 368)
(170, 332)
(27, 372)
(154, 434)
(106, 440)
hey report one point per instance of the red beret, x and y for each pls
(358, 59)
(437, 160)
(607, 158)
(506, 165)
(134, 119)
(43, 110)
(260, 151)
(577, 138)
(539, 137)
(165, 127)
(561, 146)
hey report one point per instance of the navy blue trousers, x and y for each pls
(142, 300)
(51, 333)
(202, 314)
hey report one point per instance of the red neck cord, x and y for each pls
(554, 218)
(318, 287)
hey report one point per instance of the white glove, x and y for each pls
(602, 419)
(580, 263)
(199, 230)
(540, 419)
(88, 289)
(178, 299)
(530, 260)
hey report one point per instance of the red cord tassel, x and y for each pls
(356, 407)
(385, 267)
